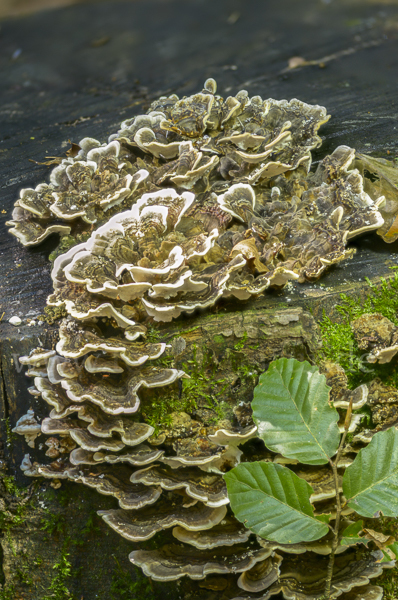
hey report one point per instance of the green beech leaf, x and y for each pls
(292, 412)
(273, 502)
(386, 557)
(370, 483)
(350, 535)
(353, 529)
(393, 548)
(323, 518)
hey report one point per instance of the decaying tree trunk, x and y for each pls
(82, 81)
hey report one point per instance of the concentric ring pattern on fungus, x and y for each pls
(200, 199)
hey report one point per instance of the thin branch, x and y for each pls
(336, 537)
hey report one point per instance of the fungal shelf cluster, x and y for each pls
(200, 199)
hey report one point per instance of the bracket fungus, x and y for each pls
(200, 199)
(227, 533)
(174, 561)
(205, 487)
(29, 427)
(143, 524)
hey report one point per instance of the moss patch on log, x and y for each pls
(56, 547)
(338, 342)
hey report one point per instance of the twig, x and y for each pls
(336, 537)
(321, 62)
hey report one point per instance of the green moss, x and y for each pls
(67, 242)
(158, 408)
(187, 331)
(129, 585)
(248, 373)
(11, 486)
(9, 519)
(57, 523)
(62, 569)
(17, 503)
(246, 370)
(15, 515)
(200, 390)
(202, 376)
(8, 592)
(10, 435)
(339, 344)
(383, 298)
(153, 335)
(53, 523)
(388, 581)
(224, 411)
(205, 388)
(241, 344)
(72, 530)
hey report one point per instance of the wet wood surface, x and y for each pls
(78, 72)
